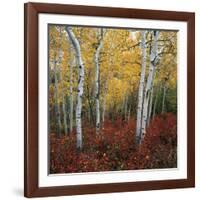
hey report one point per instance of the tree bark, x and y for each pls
(97, 80)
(77, 49)
(71, 118)
(152, 67)
(141, 87)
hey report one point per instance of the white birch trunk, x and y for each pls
(141, 87)
(77, 48)
(97, 76)
(71, 118)
(152, 67)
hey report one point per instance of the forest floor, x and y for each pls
(115, 149)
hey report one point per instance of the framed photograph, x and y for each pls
(109, 99)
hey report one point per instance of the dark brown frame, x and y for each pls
(31, 188)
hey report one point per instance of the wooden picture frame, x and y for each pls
(31, 105)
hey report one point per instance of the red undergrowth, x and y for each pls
(115, 149)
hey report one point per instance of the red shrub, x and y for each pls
(114, 148)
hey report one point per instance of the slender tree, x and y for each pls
(77, 49)
(97, 77)
(152, 68)
(71, 118)
(163, 100)
(141, 87)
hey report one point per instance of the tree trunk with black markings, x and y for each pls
(97, 78)
(152, 68)
(141, 88)
(77, 49)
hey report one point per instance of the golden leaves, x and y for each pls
(120, 59)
